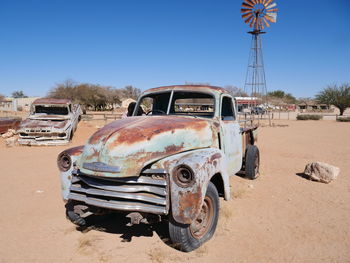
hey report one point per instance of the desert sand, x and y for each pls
(280, 217)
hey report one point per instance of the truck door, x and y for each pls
(231, 140)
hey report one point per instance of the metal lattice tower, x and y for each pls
(257, 14)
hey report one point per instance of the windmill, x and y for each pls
(258, 14)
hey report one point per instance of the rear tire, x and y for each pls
(252, 162)
(189, 237)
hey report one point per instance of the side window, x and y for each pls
(227, 111)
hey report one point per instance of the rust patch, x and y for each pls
(8, 123)
(189, 204)
(151, 126)
(51, 101)
(188, 87)
(214, 157)
(75, 150)
(111, 128)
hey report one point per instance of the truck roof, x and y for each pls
(51, 101)
(204, 88)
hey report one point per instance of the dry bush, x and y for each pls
(157, 255)
(86, 243)
(313, 117)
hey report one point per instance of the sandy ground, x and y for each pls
(280, 217)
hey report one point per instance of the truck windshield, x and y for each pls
(182, 103)
(51, 110)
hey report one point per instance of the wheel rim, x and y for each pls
(201, 225)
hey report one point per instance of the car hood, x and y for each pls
(40, 124)
(126, 146)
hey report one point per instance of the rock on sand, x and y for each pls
(321, 172)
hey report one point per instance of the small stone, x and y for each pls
(8, 134)
(251, 186)
(321, 172)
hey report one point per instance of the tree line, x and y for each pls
(93, 96)
(98, 97)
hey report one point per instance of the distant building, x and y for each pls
(17, 104)
(246, 102)
(311, 105)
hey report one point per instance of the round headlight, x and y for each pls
(183, 176)
(64, 162)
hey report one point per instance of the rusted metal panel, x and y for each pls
(51, 101)
(66, 176)
(202, 88)
(187, 201)
(132, 143)
(9, 123)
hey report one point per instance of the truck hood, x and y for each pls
(40, 124)
(124, 147)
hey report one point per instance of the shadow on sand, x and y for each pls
(302, 175)
(117, 224)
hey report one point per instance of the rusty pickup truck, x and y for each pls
(170, 161)
(51, 122)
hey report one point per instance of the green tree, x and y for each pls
(2, 97)
(19, 94)
(277, 94)
(339, 96)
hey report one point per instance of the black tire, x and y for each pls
(252, 162)
(188, 237)
(72, 216)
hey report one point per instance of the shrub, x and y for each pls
(314, 117)
(343, 119)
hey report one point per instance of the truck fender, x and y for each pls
(186, 199)
(66, 175)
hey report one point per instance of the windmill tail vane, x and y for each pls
(258, 14)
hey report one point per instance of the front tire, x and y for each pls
(252, 162)
(189, 237)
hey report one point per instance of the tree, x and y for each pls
(90, 95)
(18, 94)
(235, 91)
(276, 94)
(2, 97)
(131, 92)
(339, 96)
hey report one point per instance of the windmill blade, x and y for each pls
(265, 21)
(272, 10)
(272, 5)
(249, 19)
(244, 16)
(244, 10)
(271, 17)
(252, 2)
(253, 22)
(247, 5)
(266, 4)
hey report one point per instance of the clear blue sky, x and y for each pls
(153, 43)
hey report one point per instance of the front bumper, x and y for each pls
(42, 141)
(134, 194)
